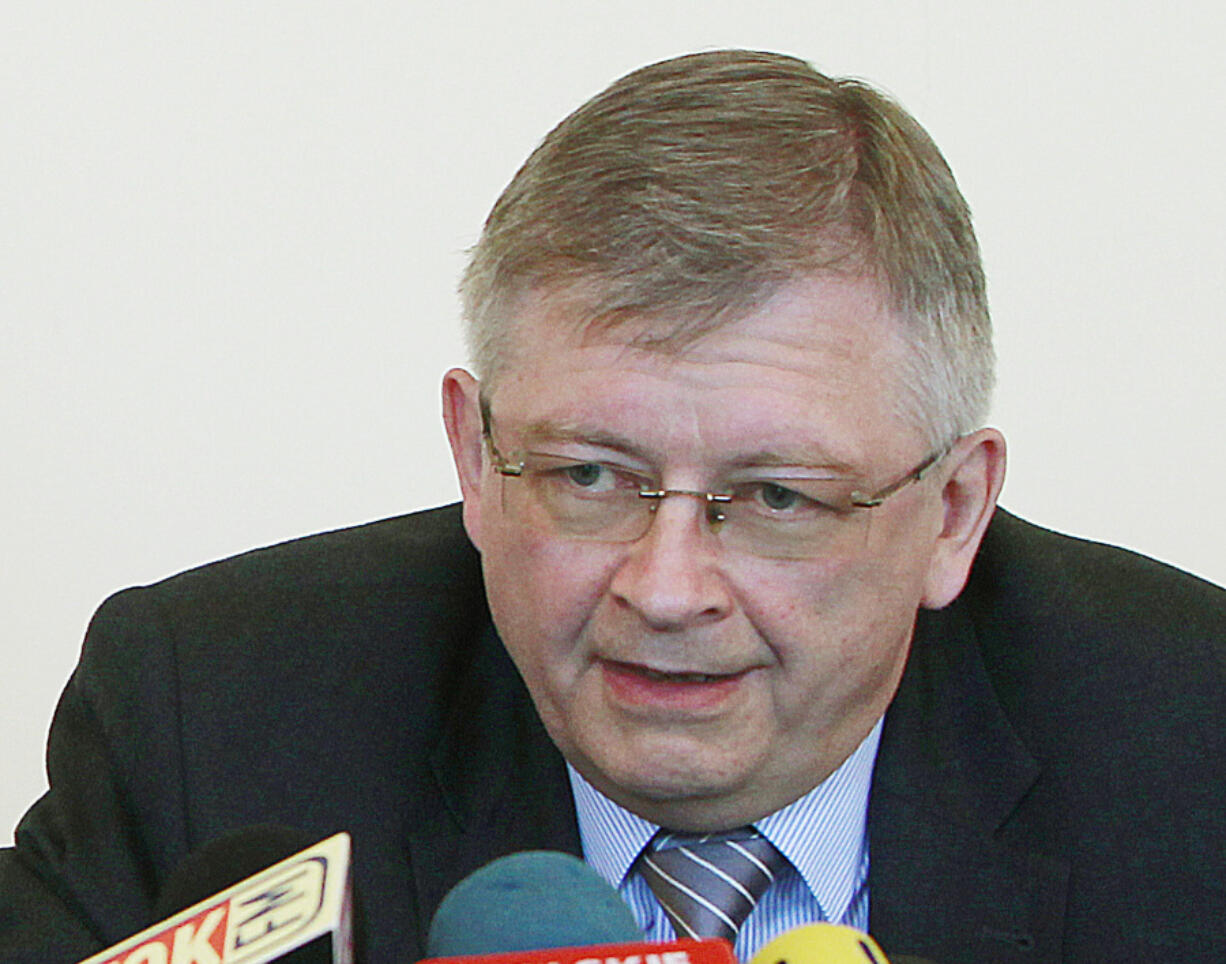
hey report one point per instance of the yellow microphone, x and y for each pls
(821, 944)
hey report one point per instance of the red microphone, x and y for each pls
(707, 951)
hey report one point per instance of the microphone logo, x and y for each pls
(257, 920)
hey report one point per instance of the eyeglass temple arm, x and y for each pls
(497, 459)
(861, 501)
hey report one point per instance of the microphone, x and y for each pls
(544, 907)
(226, 860)
(821, 944)
(826, 944)
(298, 910)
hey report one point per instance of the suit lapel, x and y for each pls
(948, 879)
(501, 787)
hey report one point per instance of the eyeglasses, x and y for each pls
(776, 517)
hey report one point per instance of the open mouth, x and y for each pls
(668, 677)
(671, 676)
(680, 695)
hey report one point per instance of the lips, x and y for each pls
(645, 687)
(671, 677)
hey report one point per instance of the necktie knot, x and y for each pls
(709, 883)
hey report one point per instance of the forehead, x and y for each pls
(818, 364)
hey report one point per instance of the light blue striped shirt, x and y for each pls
(823, 836)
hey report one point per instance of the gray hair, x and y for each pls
(690, 190)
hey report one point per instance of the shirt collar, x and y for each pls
(822, 834)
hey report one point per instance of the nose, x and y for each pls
(671, 577)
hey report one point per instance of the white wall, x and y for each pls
(229, 235)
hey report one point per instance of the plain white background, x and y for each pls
(230, 233)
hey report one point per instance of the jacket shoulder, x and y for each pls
(1110, 667)
(1057, 726)
(1027, 577)
(407, 588)
(302, 684)
(428, 549)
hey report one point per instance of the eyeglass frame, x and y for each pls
(712, 500)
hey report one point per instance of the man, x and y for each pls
(724, 466)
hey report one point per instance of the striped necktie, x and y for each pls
(709, 883)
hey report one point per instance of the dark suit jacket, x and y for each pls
(1048, 785)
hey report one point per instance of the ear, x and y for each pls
(462, 419)
(973, 475)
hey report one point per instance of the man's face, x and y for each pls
(698, 685)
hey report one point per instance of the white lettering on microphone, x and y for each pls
(666, 957)
(196, 941)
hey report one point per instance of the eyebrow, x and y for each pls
(546, 431)
(763, 459)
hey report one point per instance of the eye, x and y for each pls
(778, 498)
(585, 474)
(799, 499)
(591, 479)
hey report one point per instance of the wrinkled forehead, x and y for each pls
(851, 308)
(821, 355)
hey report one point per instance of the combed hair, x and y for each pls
(690, 190)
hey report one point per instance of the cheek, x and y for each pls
(784, 600)
(541, 591)
(875, 613)
(542, 596)
(832, 621)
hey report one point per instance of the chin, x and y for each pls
(675, 777)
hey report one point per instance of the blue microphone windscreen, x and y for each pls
(530, 901)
